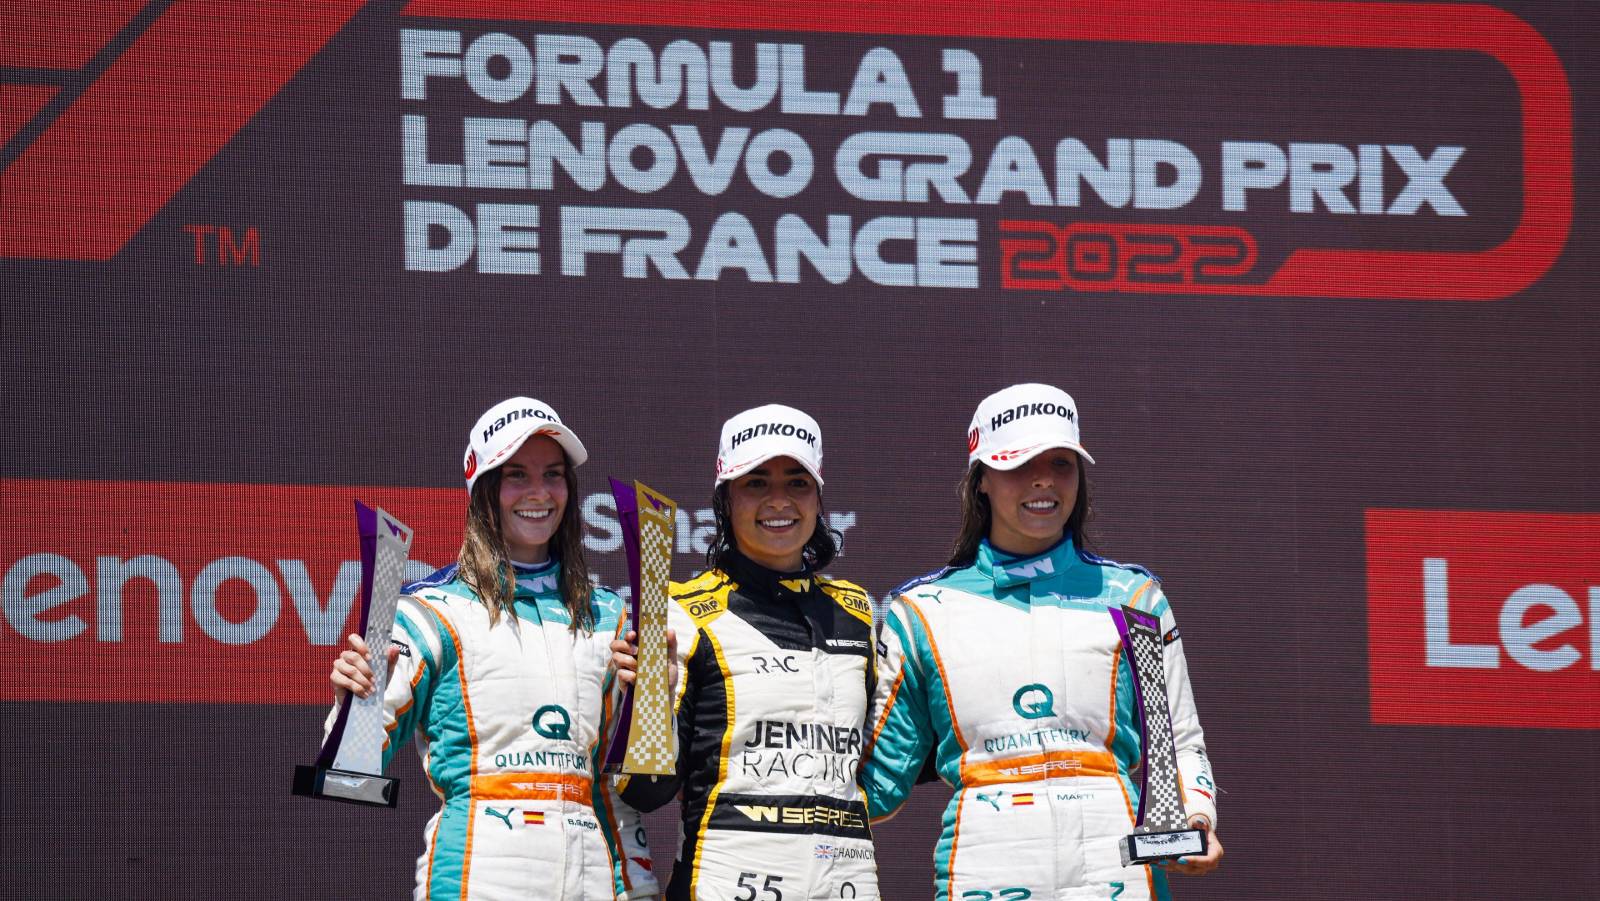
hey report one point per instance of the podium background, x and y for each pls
(197, 415)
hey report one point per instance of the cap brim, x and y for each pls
(576, 453)
(1006, 460)
(748, 465)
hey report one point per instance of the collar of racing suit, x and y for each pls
(538, 594)
(1008, 570)
(757, 581)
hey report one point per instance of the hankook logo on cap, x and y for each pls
(513, 416)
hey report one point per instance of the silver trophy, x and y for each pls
(350, 766)
(1162, 829)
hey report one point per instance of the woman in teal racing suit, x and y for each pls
(500, 670)
(1007, 667)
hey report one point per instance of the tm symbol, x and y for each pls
(220, 245)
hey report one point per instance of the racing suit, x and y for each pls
(1011, 672)
(776, 671)
(508, 720)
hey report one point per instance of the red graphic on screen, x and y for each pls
(1484, 619)
(115, 591)
(173, 82)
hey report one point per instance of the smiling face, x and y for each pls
(1030, 505)
(774, 510)
(533, 497)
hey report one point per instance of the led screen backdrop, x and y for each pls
(1318, 275)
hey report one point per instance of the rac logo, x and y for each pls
(1484, 619)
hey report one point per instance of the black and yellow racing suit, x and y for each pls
(777, 670)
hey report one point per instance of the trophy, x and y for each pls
(1162, 831)
(643, 739)
(351, 763)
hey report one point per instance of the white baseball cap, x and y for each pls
(1016, 424)
(506, 426)
(757, 435)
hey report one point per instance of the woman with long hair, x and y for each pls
(500, 669)
(777, 666)
(1007, 667)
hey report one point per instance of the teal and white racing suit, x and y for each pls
(1011, 672)
(508, 719)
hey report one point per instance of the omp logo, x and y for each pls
(1484, 619)
(855, 602)
(114, 107)
(553, 721)
(1033, 702)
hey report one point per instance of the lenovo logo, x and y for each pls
(166, 579)
(1484, 618)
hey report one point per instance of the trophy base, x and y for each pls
(352, 788)
(1153, 847)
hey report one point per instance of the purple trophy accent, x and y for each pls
(367, 526)
(1122, 617)
(627, 499)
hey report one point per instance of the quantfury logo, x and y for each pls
(173, 72)
(1033, 702)
(1484, 619)
(553, 721)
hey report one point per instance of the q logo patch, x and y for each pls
(553, 721)
(1033, 702)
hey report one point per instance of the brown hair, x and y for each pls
(825, 542)
(486, 566)
(976, 517)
